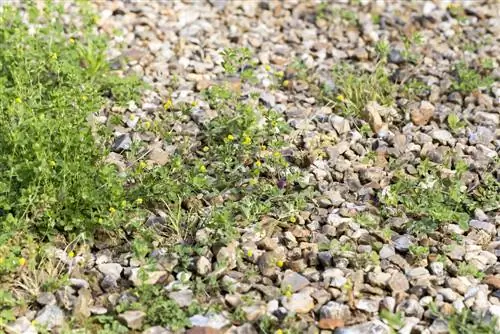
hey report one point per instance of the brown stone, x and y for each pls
(423, 114)
(331, 323)
(493, 281)
(203, 330)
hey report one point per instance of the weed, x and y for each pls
(454, 123)
(467, 269)
(394, 320)
(357, 88)
(466, 321)
(429, 199)
(410, 43)
(468, 80)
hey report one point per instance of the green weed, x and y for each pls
(467, 79)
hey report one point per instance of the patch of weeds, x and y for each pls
(457, 12)
(415, 88)
(349, 16)
(429, 199)
(467, 269)
(468, 79)
(455, 123)
(410, 43)
(395, 321)
(53, 175)
(356, 88)
(8, 304)
(466, 321)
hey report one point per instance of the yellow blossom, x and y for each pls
(279, 263)
(18, 100)
(279, 331)
(202, 169)
(247, 140)
(146, 125)
(292, 219)
(277, 154)
(249, 253)
(258, 163)
(123, 203)
(168, 104)
(267, 68)
(142, 165)
(340, 98)
(253, 182)
(139, 200)
(71, 41)
(285, 83)
(132, 117)
(53, 56)
(205, 149)
(230, 137)
(71, 254)
(85, 98)
(21, 261)
(52, 163)
(112, 210)
(263, 147)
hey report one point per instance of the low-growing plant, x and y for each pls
(468, 79)
(467, 321)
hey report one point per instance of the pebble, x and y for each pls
(51, 316)
(298, 303)
(132, 319)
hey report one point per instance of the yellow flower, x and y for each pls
(52, 163)
(258, 163)
(279, 331)
(100, 220)
(340, 98)
(71, 254)
(280, 74)
(205, 149)
(21, 261)
(123, 203)
(230, 137)
(267, 68)
(279, 263)
(168, 104)
(112, 210)
(277, 154)
(285, 83)
(142, 165)
(249, 253)
(253, 182)
(292, 219)
(18, 100)
(263, 147)
(132, 117)
(247, 140)
(85, 98)
(147, 125)
(202, 169)
(71, 41)
(139, 200)
(194, 103)
(53, 56)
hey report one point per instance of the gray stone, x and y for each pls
(111, 269)
(371, 327)
(122, 143)
(480, 225)
(443, 136)
(298, 303)
(439, 326)
(182, 298)
(448, 294)
(396, 57)
(417, 272)
(398, 282)
(21, 326)
(203, 266)
(411, 308)
(368, 305)
(132, 319)
(387, 251)
(46, 298)
(212, 320)
(333, 314)
(293, 281)
(437, 268)
(403, 243)
(156, 330)
(51, 316)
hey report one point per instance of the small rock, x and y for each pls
(411, 308)
(214, 321)
(132, 319)
(387, 251)
(51, 316)
(423, 114)
(372, 115)
(325, 258)
(254, 312)
(156, 330)
(298, 303)
(21, 326)
(111, 269)
(398, 282)
(443, 136)
(122, 143)
(493, 281)
(480, 225)
(203, 266)
(403, 243)
(182, 298)
(159, 156)
(293, 281)
(368, 305)
(396, 57)
(46, 298)
(371, 327)
(333, 315)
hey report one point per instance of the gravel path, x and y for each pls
(354, 259)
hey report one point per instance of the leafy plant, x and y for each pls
(468, 79)
(467, 321)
